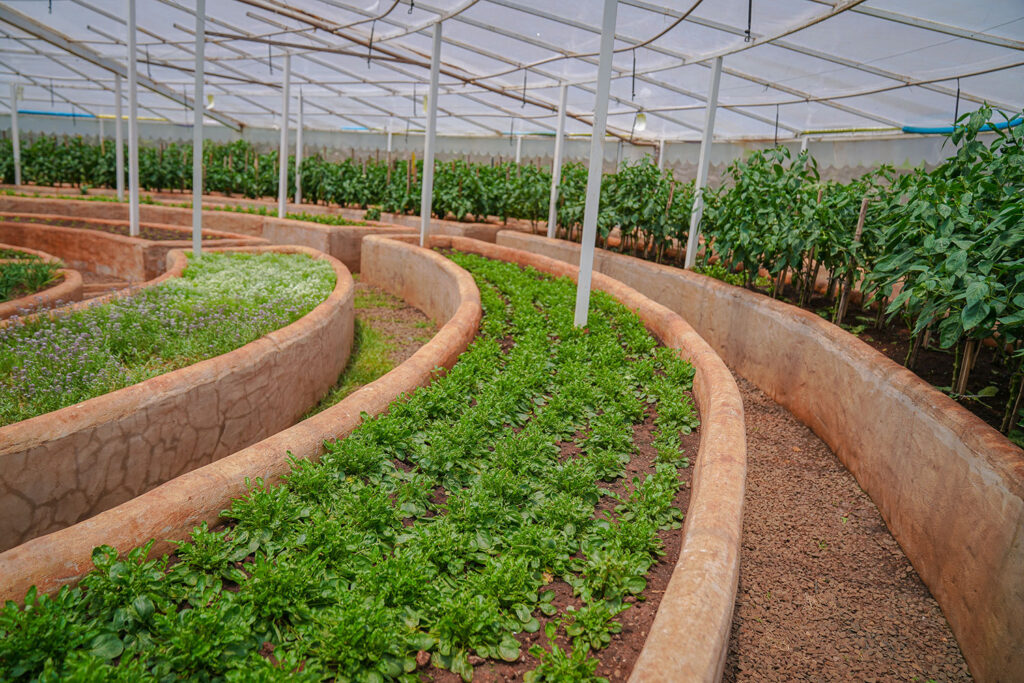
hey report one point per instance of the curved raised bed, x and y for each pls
(340, 241)
(172, 510)
(690, 635)
(128, 258)
(68, 465)
(67, 290)
(950, 488)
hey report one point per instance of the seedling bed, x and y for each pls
(443, 536)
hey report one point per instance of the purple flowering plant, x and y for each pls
(221, 302)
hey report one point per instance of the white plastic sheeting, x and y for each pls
(807, 66)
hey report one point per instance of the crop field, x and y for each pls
(433, 537)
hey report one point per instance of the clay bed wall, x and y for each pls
(68, 465)
(950, 487)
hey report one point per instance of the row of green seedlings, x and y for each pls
(429, 535)
(22, 274)
(221, 302)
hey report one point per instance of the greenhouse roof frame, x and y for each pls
(803, 66)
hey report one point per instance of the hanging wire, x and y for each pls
(776, 126)
(633, 96)
(956, 110)
(414, 99)
(750, 14)
(270, 59)
(51, 93)
(149, 67)
(412, 3)
(523, 105)
(51, 6)
(369, 46)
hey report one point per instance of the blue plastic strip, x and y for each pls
(57, 113)
(946, 130)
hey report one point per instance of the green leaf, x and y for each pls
(508, 649)
(974, 314)
(106, 646)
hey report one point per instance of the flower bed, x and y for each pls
(97, 449)
(221, 302)
(453, 570)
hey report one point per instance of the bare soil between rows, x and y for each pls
(825, 592)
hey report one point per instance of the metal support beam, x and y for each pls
(133, 127)
(282, 156)
(15, 138)
(197, 132)
(661, 154)
(693, 240)
(298, 153)
(556, 162)
(76, 48)
(604, 69)
(427, 197)
(519, 148)
(119, 137)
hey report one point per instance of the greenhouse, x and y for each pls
(508, 340)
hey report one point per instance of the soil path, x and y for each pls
(825, 592)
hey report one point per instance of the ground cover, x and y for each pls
(436, 535)
(221, 302)
(24, 277)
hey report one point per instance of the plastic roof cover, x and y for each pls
(806, 65)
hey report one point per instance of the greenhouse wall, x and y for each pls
(839, 158)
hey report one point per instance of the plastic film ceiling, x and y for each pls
(806, 66)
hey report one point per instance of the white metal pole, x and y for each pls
(133, 128)
(661, 154)
(604, 69)
(389, 145)
(15, 138)
(197, 132)
(519, 148)
(118, 139)
(803, 143)
(427, 196)
(282, 157)
(692, 242)
(298, 154)
(556, 163)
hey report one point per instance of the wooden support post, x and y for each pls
(844, 300)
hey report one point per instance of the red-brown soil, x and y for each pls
(825, 592)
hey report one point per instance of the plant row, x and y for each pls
(941, 251)
(221, 302)
(649, 207)
(429, 536)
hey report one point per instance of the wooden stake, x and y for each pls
(844, 300)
